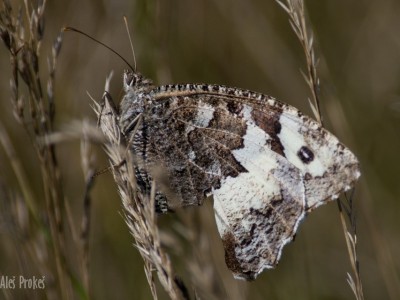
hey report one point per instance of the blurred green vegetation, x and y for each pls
(248, 44)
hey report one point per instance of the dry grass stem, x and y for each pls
(295, 10)
(22, 34)
(34, 112)
(87, 162)
(351, 242)
(138, 211)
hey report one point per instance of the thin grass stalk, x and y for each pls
(351, 242)
(88, 172)
(295, 10)
(297, 20)
(138, 210)
(16, 165)
(36, 112)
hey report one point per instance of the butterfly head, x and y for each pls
(136, 98)
(136, 81)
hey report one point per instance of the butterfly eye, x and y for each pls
(305, 154)
(132, 81)
(129, 78)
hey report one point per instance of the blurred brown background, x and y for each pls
(248, 44)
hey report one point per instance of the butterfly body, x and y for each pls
(265, 163)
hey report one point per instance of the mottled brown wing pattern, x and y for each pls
(264, 162)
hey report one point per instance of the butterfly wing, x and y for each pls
(208, 122)
(264, 162)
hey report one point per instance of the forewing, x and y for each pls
(208, 122)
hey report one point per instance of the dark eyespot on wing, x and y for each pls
(305, 155)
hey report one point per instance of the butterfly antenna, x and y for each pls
(130, 41)
(104, 45)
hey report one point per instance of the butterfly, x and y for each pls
(265, 164)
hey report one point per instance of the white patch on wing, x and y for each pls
(247, 112)
(292, 140)
(268, 173)
(204, 115)
(192, 155)
(214, 169)
(259, 165)
(237, 195)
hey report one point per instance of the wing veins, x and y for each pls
(223, 145)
